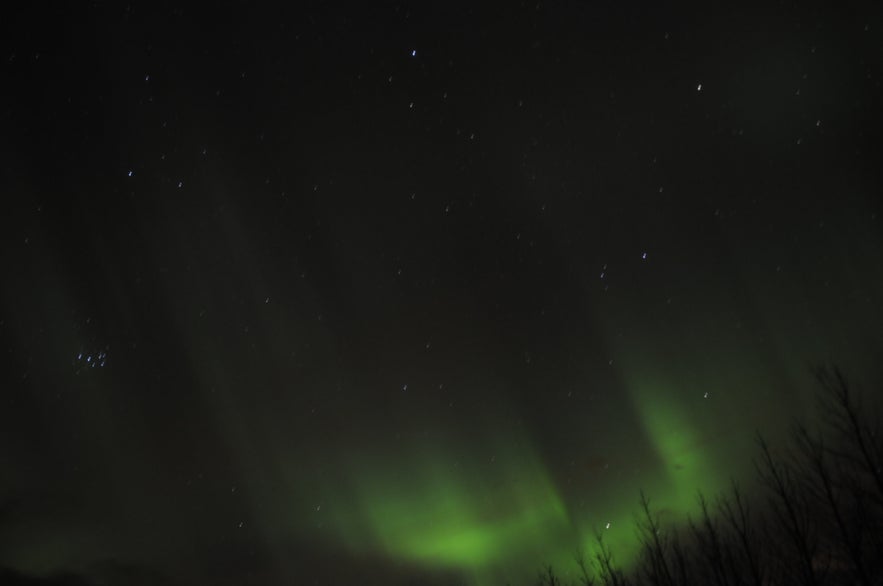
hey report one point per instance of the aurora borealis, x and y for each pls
(416, 292)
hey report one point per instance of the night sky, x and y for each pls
(344, 294)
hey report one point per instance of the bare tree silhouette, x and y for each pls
(815, 517)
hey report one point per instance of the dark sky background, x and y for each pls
(367, 294)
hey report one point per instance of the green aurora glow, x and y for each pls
(379, 314)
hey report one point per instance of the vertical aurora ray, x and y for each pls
(686, 456)
(698, 442)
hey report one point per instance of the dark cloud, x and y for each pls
(10, 577)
